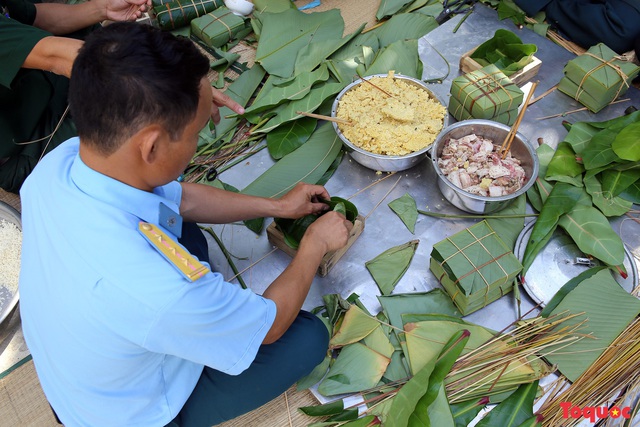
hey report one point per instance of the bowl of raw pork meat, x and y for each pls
(474, 173)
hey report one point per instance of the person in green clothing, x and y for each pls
(36, 63)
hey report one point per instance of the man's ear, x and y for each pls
(149, 141)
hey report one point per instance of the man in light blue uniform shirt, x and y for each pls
(125, 326)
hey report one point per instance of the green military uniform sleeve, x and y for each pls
(31, 105)
(16, 41)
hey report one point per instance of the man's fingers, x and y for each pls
(222, 100)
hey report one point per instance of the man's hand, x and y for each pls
(220, 99)
(303, 200)
(125, 10)
(330, 231)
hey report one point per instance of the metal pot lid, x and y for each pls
(8, 298)
(560, 261)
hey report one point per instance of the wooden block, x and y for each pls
(468, 64)
(330, 259)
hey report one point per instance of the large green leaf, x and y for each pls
(509, 228)
(563, 163)
(388, 268)
(566, 288)
(286, 139)
(284, 34)
(378, 341)
(240, 91)
(545, 154)
(330, 408)
(432, 401)
(592, 233)
(464, 412)
(306, 164)
(579, 136)
(426, 338)
(599, 152)
(609, 206)
(353, 49)
(405, 207)
(514, 410)
(632, 193)
(315, 376)
(439, 410)
(420, 391)
(615, 182)
(401, 56)
(563, 199)
(357, 368)
(606, 309)
(435, 301)
(404, 26)
(311, 55)
(627, 143)
(355, 325)
(308, 104)
(271, 95)
(389, 7)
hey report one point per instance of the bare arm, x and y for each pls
(60, 18)
(55, 54)
(202, 203)
(289, 290)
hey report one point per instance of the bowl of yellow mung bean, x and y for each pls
(388, 122)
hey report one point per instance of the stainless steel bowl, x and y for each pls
(380, 162)
(520, 148)
(8, 299)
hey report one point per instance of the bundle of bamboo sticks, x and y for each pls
(616, 370)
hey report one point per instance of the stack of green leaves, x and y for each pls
(597, 77)
(506, 51)
(216, 28)
(474, 266)
(178, 13)
(486, 93)
(592, 175)
(417, 363)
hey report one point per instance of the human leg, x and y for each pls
(219, 397)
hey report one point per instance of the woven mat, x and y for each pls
(11, 199)
(22, 403)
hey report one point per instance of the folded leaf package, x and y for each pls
(486, 93)
(597, 77)
(179, 13)
(506, 51)
(474, 266)
(217, 27)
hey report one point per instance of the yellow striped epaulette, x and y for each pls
(183, 261)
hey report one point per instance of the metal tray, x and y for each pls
(556, 264)
(8, 299)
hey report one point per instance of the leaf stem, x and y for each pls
(226, 254)
(450, 216)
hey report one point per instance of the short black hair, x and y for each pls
(129, 75)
